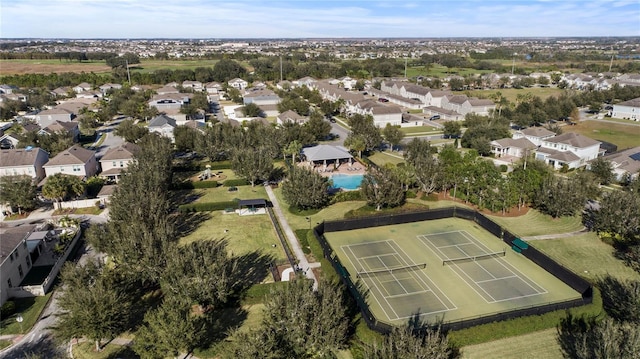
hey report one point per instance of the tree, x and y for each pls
(293, 148)
(622, 298)
(318, 128)
(382, 188)
(617, 218)
(252, 110)
(559, 197)
(305, 189)
(603, 170)
(356, 143)
(94, 304)
(298, 322)
(139, 232)
(173, 328)
(452, 129)
(59, 187)
(428, 173)
(393, 135)
(226, 69)
(407, 342)
(587, 338)
(18, 192)
(364, 127)
(253, 164)
(131, 132)
(185, 138)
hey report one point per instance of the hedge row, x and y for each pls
(345, 196)
(195, 185)
(207, 206)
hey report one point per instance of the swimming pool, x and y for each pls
(348, 182)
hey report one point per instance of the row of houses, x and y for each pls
(76, 160)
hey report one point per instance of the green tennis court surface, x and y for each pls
(448, 269)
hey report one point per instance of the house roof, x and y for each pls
(61, 126)
(325, 152)
(627, 160)
(385, 110)
(562, 156)
(125, 151)
(517, 143)
(20, 157)
(12, 237)
(537, 132)
(574, 139)
(162, 120)
(631, 103)
(290, 115)
(76, 155)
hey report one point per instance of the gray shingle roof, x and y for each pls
(76, 155)
(19, 157)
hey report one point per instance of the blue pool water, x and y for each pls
(349, 182)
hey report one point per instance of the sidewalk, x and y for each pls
(293, 241)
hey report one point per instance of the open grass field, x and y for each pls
(20, 67)
(87, 350)
(538, 345)
(243, 233)
(383, 158)
(535, 223)
(30, 309)
(586, 255)
(419, 129)
(512, 94)
(221, 194)
(453, 291)
(624, 136)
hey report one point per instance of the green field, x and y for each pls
(623, 136)
(538, 345)
(535, 223)
(222, 194)
(512, 94)
(383, 158)
(452, 291)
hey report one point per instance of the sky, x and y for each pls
(219, 19)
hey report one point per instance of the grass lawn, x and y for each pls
(586, 255)
(87, 350)
(244, 234)
(624, 136)
(382, 158)
(221, 194)
(4, 343)
(30, 309)
(511, 94)
(535, 223)
(85, 210)
(419, 129)
(618, 120)
(538, 345)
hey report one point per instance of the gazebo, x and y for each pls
(323, 153)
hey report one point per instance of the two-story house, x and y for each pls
(15, 261)
(75, 161)
(24, 161)
(238, 83)
(628, 110)
(163, 125)
(290, 116)
(116, 160)
(570, 149)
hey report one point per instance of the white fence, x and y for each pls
(83, 203)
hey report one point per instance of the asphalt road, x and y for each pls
(110, 139)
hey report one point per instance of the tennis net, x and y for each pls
(474, 258)
(367, 274)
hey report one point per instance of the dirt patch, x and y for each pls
(14, 68)
(512, 212)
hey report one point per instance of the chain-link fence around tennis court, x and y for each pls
(571, 279)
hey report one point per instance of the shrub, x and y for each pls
(410, 194)
(8, 309)
(220, 165)
(345, 196)
(205, 184)
(236, 182)
(207, 206)
(503, 168)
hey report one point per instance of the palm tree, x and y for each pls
(60, 186)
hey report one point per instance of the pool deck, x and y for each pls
(355, 169)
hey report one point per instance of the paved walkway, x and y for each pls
(303, 263)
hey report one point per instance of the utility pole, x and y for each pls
(128, 74)
(405, 67)
(280, 68)
(513, 65)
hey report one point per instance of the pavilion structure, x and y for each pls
(325, 155)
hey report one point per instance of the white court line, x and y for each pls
(483, 268)
(412, 293)
(367, 284)
(429, 287)
(495, 279)
(511, 269)
(393, 275)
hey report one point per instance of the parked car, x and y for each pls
(382, 99)
(434, 117)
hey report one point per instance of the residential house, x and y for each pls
(15, 261)
(290, 116)
(24, 161)
(8, 141)
(163, 125)
(213, 88)
(512, 147)
(7, 89)
(434, 97)
(261, 97)
(166, 90)
(47, 117)
(534, 134)
(82, 87)
(305, 81)
(284, 85)
(238, 83)
(64, 127)
(570, 149)
(109, 86)
(62, 92)
(629, 110)
(478, 106)
(625, 163)
(116, 160)
(168, 101)
(76, 161)
(14, 96)
(196, 86)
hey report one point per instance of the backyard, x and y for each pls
(622, 135)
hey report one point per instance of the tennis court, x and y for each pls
(395, 280)
(445, 269)
(485, 271)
